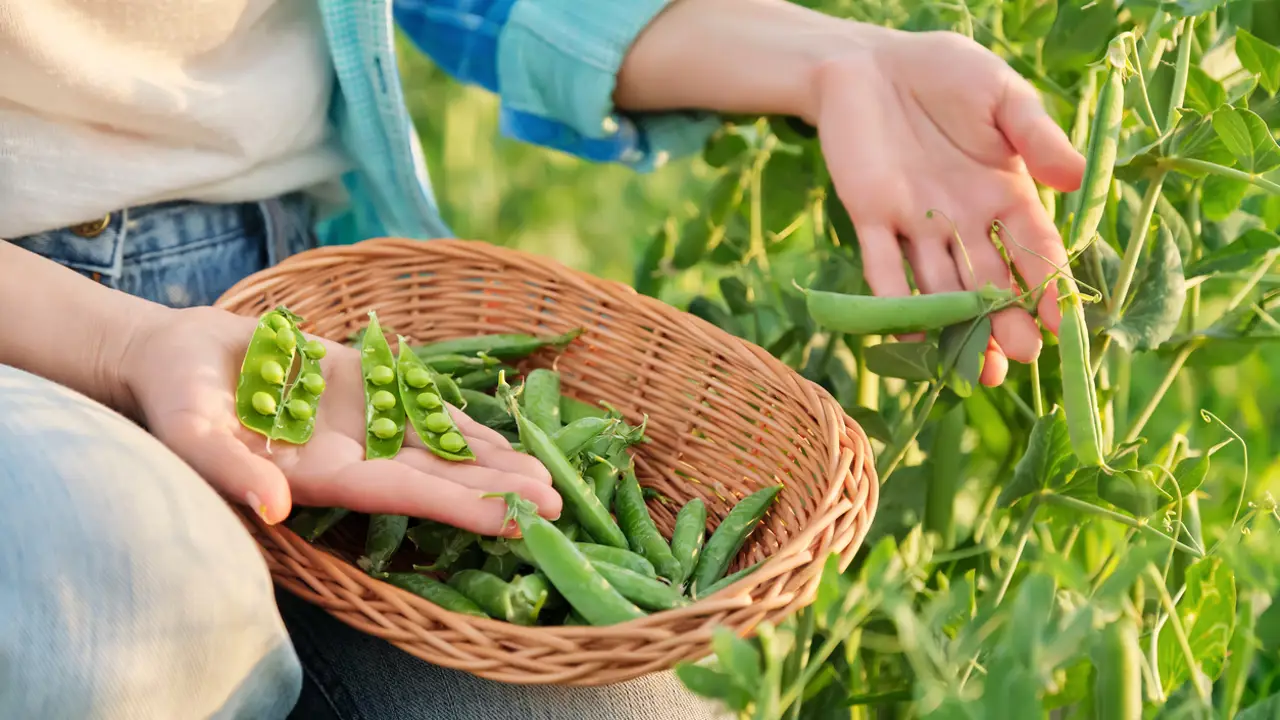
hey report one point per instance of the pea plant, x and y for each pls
(1083, 541)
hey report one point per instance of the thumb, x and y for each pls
(1045, 148)
(234, 471)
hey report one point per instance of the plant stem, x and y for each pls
(1125, 520)
(1193, 223)
(898, 449)
(1024, 532)
(1133, 251)
(1037, 394)
(1178, 93)
(1193, 165)
(1170, 375)
(1180, 633)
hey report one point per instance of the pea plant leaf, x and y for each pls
(872, 423)
(1177, 224)
(1247, 137)
(1080, 33)
(1133, 491)
(714, 684)
(1028, 20)
(1191, 472)
(1260, 58)
(736, 657)
(916, 361)
(784, 188)
(724, 147)
(1099, 255)
(736, 295)
(1244, 253)
(1196, 138)
(1208, 613)
(963, 347)
(1221, 197)
(1158, 298)
(1204, 94)
(1047, 460)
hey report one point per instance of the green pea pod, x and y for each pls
(574, 619)
(455, 546)
(872, 315)
(513, 346)
(434, 591)
(490, 592)
(455, 364)
(264, 370)
(485, 379)
(540, 399)
(727, 580)
(385, 419)
(649, 278)
(529, 594)
(603, 473)
(574, 438)
(1079, 399)
(619, 557)
(1117, 693)
(449, 390)
(426, 410)
(572, 410)
(503, 566)
(578, 497)
(568, 570)
(730, 535)
(687, 537)
(386, 533)
(1100, 158)
(487, 410)
(646, 592)
(297, 420)
(637, 525)
(311, 523)
(431, 537)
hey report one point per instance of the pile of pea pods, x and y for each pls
(603, 562)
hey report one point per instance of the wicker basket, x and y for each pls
(725, 418)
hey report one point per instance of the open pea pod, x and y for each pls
(297, 419)
(425, 409)
(385, 412)
(264, 370)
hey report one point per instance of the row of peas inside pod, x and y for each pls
(604, 561)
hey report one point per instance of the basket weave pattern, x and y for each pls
(724, 419)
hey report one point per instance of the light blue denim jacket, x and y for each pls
(552, 63)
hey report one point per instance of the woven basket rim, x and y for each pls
(319, 576)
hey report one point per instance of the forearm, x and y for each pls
(735, 56)
(67, 328)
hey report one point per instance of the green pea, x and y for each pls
(382, 375)
(313, 383)
(286, 341)
(438, 422)
(383, 400)
(417, 378)
(314, 349)
(383, 428)
(299, 409)
(280, 322)
(452, 442)
(264, 403)
(429, 401)
(272, 372)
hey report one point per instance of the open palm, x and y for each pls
(935, 122)
(183, 377)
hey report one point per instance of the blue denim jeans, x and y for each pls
(128, 588)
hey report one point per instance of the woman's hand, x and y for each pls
(918, 122)
(182, 373)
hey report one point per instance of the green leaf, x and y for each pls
(1244, 253)
(784, 189)
(1204, 94)
(1268, 709)
(832, 588)
(736, 295)
(1247, 137)
(916, 361)
(872, 423)
(714, 313)
(1158, 297)
(1011, 690)
(1029, 20)
(1259, 58)
(713, 684)
(1208, 613)
(737, 657)
(1080, 34)
(963, 348)
(1221, 197)
(1196, 139)
(1177, 224)
(1047, 460)
(724, 147)
(1191, 472)
(1032, 609)
(1133, 491)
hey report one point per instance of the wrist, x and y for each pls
(120, 347)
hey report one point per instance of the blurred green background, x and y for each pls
(589, 216)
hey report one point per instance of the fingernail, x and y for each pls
(251, 499)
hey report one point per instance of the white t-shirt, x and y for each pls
(107, 104)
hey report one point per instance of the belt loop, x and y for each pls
(274, 236)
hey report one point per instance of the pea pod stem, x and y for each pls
(1138, 525)
(1198, 680)
(1133, 251)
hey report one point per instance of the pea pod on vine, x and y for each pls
(426, 410)
(265, 369)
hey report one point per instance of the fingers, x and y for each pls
(510, 461)
(488, 478)
(231, 468)
(995, 367)
(933, 266)
(1014, 329)
(472, 429)
(882, 266)
(1037, 250)
(1045, 148)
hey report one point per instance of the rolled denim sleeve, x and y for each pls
(554, 66)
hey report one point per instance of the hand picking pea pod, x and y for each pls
(871, 315)
(1079, 398)
(426, 409)
(264, 370)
